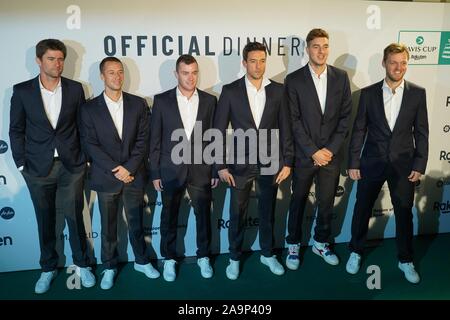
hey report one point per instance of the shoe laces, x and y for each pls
(46, 275)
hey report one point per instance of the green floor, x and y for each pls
(314, 280)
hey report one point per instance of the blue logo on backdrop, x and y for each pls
(7, 213)
(2, 180)
(3, 146)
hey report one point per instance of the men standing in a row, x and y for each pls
(46, 148)
(254, 104)
(183, 112)
(320, 104)
(391, 129)
(115, 133)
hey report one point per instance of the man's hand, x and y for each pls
(214, 183)
(121, 173)
(354, 174)
(284, 173)
(225, 176)
(414, 176)
(158, 185)
(322, 157)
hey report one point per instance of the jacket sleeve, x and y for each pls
(221, 121)
(421, 136)
(155, 140)
(358, 133)
(17, 126)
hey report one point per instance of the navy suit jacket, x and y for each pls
(165, 120)
(33, 139)
(233, 107)
(313, 130)
(105, 148)
(405, 147)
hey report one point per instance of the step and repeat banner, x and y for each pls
(148, 36)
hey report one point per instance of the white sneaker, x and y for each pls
(169, 273)
(293, 259)
(273, 264)
(86, 276)
(322, 249)
(205, 267)
(353, 263)
(147, 269)
(232, 270)
(108, 279)
(43, 284)
(410, 273)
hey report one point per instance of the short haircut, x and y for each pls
(395, 48)
(186, 59)
(108, 59)
(253, 46)
(50, 44)
(316, 33)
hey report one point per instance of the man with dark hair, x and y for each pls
(46, 148)
(320, 104)
(391, 129)
(186, 112)
(115, 135)
(254, 104)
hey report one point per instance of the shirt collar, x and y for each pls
(109, 100)
(386, 86)
(180, 95)
(314, 74)
(43, 88)
(264, 83)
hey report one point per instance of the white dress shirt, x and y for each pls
(392, 101)
(52, 104)
(320, 82)
(116, 111)
(256, 99)
(188, 111)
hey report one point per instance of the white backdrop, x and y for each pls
(148, 36)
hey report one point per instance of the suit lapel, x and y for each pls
(106, 115)
(404, 104)
(40, 109)
(312, 88)
(245, 103)
(381, 108)
(126, 115)
(176, 111)
(201, 110)
(331, 79)
(269, 99)
(64, 100)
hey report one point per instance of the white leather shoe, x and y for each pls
(353, 263)
(205, 267)
(273, 264)
(147, 269)
(232, 270)
(86, 276)
(43, 284)
(169, 272)
(410, 273)
(108, 279)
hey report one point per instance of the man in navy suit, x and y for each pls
(185, 112)
(255, 106)
(320, 104)
(46, 148)
(391, 129)
(115, 129)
